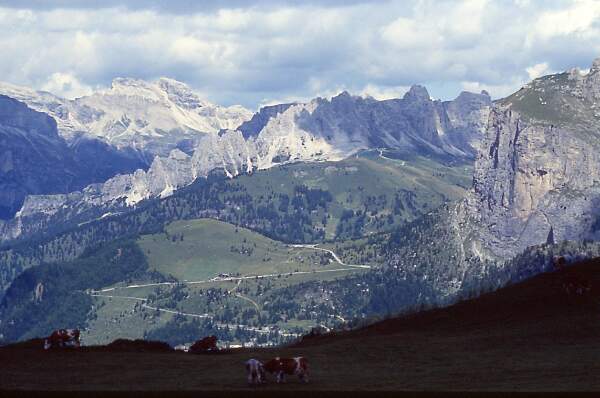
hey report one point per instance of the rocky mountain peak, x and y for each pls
(314, 131)
(466, 96)
(34, 159)
(150, 118)
(260, 119)
(181, 94)
(121, 82)
(417, 93)
(168, 84)
(343, 95)
(343, 100)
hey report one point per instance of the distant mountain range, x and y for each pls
(199, 137)
(151, 118)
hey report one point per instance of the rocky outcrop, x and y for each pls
(468, 116)
(590, 85)
(537, 176)
(252, 127)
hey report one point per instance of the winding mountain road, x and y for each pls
(382, 156)
(246, 277)
(239, 279)
(254, 303)
(220, 325)
(226, 279)
(335, 256)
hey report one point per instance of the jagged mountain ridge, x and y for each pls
(152, 118)
(315, 131)
(260, 119)
(34, 159)
(335, 129)
(412, 122)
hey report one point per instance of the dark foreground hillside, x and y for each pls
(527, 337)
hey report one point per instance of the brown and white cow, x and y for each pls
(206, 344)
(62, 338)
(290, 366)
(255, 372)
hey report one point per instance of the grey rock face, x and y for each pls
(252, 127)
(151, 118)
(538, 168)
(468, 117)
(335, 129)
(34, 159)
(417, 93)
(414, 122)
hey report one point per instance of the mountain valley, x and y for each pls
(331, 213)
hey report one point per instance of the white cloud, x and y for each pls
(579, 18)
(257, 53)
(538, 70)
(407, 34)
(495, 90)
(66, 85)
(383, 93)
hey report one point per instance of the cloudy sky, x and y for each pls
(259, 52)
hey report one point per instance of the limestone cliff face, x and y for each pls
(537, 175)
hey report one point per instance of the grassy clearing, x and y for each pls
(203, 249)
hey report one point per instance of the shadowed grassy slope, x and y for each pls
(526, 337)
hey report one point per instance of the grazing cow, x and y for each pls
(255, 372)
(62, 338)
(291, 366)
(206, 344)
